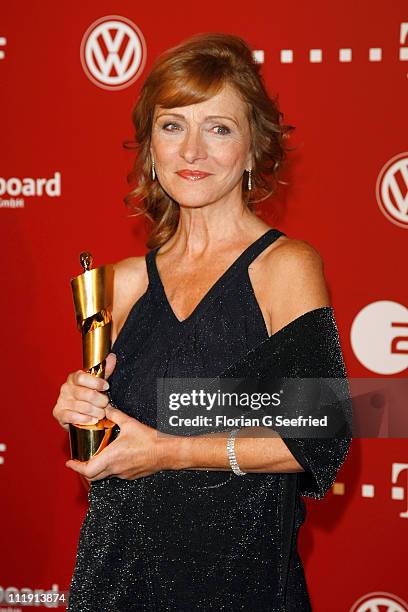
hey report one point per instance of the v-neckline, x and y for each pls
(211, 291)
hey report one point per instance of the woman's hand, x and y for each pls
(81, 399)
(133, 454)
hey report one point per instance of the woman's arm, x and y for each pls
(254, 453)
(140, 451)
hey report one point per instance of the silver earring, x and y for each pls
(249, 180)
(153, 171)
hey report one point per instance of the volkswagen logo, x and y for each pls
(372, 602)
(392, 190)
(113, 52)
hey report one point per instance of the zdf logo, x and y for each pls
(392, 190)
(379, 337)
(113, 52)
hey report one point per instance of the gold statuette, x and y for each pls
(93, 296)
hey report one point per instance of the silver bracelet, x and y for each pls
(231, 454)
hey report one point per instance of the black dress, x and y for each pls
(195, 540)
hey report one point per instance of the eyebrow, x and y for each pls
(208, 117)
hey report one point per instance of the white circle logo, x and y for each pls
(113, 52)
(392, 190)
(372, 601)
(379, 337)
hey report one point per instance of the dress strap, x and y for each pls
(258, 246)
(152, 273)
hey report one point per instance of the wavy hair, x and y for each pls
(193, 72)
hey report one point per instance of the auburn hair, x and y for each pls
(192, 72)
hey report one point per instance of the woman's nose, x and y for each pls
(193, 146)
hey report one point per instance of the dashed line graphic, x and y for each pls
(344, 55)
(3, 42)
(3, 448)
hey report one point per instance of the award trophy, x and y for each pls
(93, 296)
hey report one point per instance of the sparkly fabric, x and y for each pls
(205, 540)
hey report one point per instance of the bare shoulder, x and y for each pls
(131, 268)
(292, 254)
(130, 283)
(294, 273)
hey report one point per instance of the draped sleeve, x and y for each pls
(308, 348)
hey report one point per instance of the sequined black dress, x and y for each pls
(202, 540)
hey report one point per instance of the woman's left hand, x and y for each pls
(133, 454)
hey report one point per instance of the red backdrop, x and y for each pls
(347, 196)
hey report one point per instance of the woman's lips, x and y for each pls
(193, 175)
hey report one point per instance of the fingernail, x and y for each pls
(105, 385)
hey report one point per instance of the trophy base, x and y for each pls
(88, 440)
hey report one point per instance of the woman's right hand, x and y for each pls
(81, 399)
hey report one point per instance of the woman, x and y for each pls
(189, 522)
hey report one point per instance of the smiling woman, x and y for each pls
(220, 71)
(199, 148)
(204, 522)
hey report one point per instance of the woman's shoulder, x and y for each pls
(290, 258)
(292, 252)
(130, 282)
(294, 275)
(130, 275)
(130, 266)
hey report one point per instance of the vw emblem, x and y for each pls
(113, 52)
(392, 190)
(371, 602)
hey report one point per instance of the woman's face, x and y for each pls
(211, 137)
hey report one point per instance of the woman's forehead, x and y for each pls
(227, 102)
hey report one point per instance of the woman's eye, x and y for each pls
(222, 130)
(170, 125)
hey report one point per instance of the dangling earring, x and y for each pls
(153, 172)
(249, 180)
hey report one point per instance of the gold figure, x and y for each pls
(93, 296)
